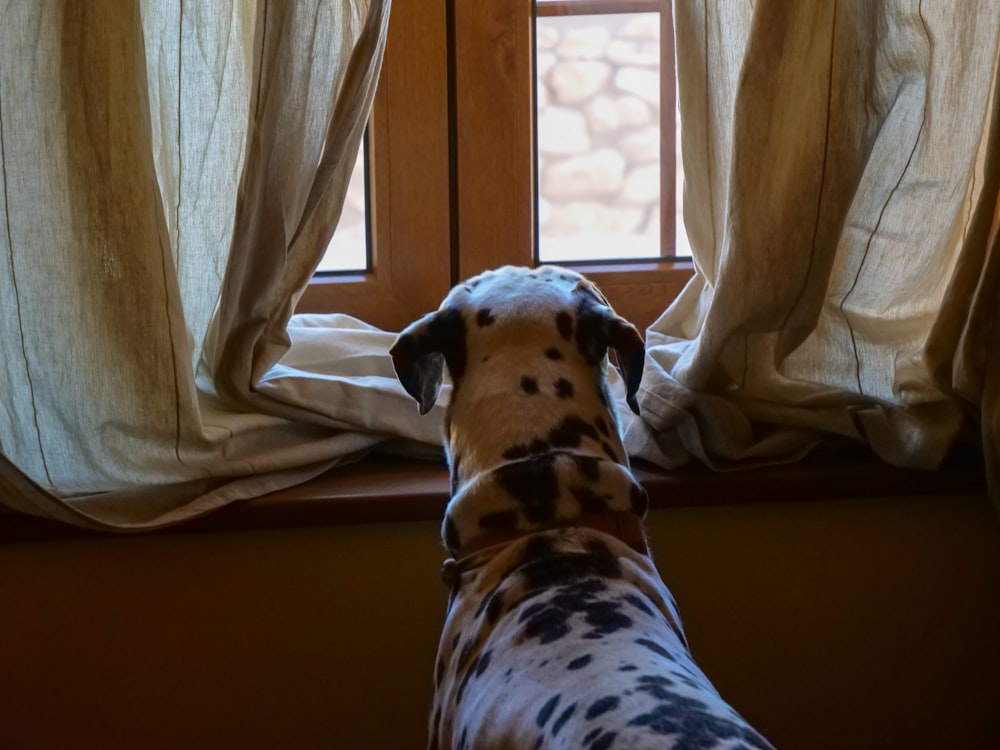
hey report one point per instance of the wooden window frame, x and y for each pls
(409, 196)
(452, 165)
(668, 95)
(495, 152)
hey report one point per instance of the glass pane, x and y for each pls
(348, 250)
(598, 119)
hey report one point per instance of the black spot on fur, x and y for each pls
(545, 571)
(494, 608)
(591, 736)
(695, 725)
(538, 547)
(599, 549)
(553, 354)
(546, 711)
(604, 741)
(538, 446)
(534, 448)
(602, 426)
(484, 317)
(689, 721)
(564, 388)
(588, 466)
(483, 662)
(575, 584)
(563, 718)
(544, 622)
(591, 333)
(627, 668)
(466, 655)
(533, 484)
(448, 329)
(490, 596)
(466, 677)
(608, 450)
(653, 646)
(590, 501)
(606, 617)
(529, 384)
(439, 672)
(656, 686)
(638, 499)
(570, 433)
(637, 602)
(501, 520)
(564, 323)
(437, 723)
(580, 663)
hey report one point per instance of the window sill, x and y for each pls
(381, 490)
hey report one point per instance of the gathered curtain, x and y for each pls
(842, 163)
(172, 173)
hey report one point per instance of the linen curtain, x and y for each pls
(842, 163)
(172, 173)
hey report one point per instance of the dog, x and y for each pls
(559, 632)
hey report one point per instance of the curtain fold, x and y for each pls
(841, 183)
(172, 173)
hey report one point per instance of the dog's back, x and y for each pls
(559, 631)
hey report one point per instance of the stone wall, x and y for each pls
(598, 94)
(599, 136)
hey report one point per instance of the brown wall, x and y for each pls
(837, 624)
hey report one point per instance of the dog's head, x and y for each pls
(530, 421)
(552, 305)
(522, 331)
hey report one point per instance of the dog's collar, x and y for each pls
(625, 526)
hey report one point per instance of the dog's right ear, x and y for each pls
(421, 351)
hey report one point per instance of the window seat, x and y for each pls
(383, 489)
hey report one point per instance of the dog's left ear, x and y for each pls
(421, 351)
(600, 327)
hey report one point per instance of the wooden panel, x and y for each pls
(593, 7)
(409, 181)
(384, 489)
(494, 102)
(668, 137)
(639, 292)
(494, 118)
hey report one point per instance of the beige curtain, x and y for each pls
(171, 174)
(842, 161)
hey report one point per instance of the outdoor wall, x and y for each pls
(599, 135)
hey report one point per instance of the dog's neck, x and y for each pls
(539, 491)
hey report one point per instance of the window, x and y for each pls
(452, 159)
(348, 249)
(605, 156)
(407, 165)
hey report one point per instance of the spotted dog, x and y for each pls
(559, 631)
